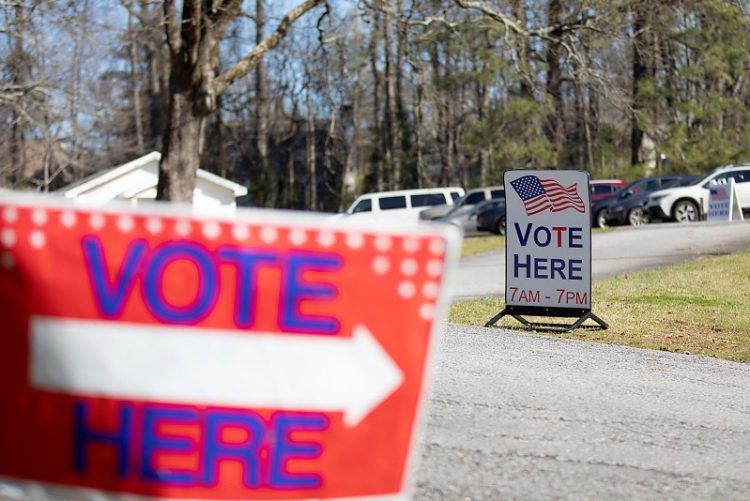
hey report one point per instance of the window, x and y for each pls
(653, 185)
(497, 194)
(388, 203)
(601, 189)
(720, 179)
(363, 206)
(455, 195)
(741, 176)
(427, 199)
(474, 198)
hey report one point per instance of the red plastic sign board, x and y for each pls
(267, 356)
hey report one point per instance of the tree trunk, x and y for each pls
(377, 122)
(194, 87)
(261, 111)
(639, 74)
(182, 147)
(556, 133)
(311, 200)
(134, 78)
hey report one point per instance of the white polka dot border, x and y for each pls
(68, 219)
(10, 214)
(355, 240)
(411, 245)
(427, 311)
(269, 235)
(409, 267)
(437, 246)
(125, 224)
(37, 239)
(211, 230)
(8, 237)
(297, 236)
(39, 217)
(97, 221)
(383, 243)
(381, 265)
(154, 225)
(407, 289)
(183, 227)
(326, 238)
(434, 268)
(240, 232)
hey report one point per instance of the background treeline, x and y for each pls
(385, 94)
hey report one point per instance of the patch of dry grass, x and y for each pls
(472, 246)
(700, 307)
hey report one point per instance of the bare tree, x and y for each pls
(194, 86)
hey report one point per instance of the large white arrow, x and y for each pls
(212, 366)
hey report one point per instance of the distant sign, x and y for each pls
(723, 202)
(270, 356)
(548, 243)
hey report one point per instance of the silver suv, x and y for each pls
(688, 203)
(471, 198)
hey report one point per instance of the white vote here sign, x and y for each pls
(548, 242)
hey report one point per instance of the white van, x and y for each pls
(402, 206)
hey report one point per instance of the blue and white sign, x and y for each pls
(548, 242)
(723, 202)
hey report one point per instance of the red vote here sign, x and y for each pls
(270, 356)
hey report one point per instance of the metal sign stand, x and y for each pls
(544, 326)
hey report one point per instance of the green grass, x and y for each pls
(472, 246)
(699, 307)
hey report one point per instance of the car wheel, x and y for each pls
(638, 217)
(685, 211)
(601, 218)
(499, 226)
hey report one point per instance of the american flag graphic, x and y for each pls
(539, 195)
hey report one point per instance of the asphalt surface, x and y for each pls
(520, 416)
(616, 252)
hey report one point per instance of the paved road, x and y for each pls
(617, 252)
(518, 416)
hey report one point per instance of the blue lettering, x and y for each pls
(557, 266)
(111, 297)
(84, 436)
(286, 449)
(517, 265)
(154, 443)
(208, 285)
(246, 452)
(247, 262)
(540, 267)
(575, 267)
(574, 234)
(546, 234)
(523, 238)
(296, 291)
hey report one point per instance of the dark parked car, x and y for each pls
(491, 216)
(627, 205)
(604, 188)
(465, 217)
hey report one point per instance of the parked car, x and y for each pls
(472, 197)
(491, 216)
(401, 206)
(689, 203)
(627, 205)
(465, 217)
(604, 188)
